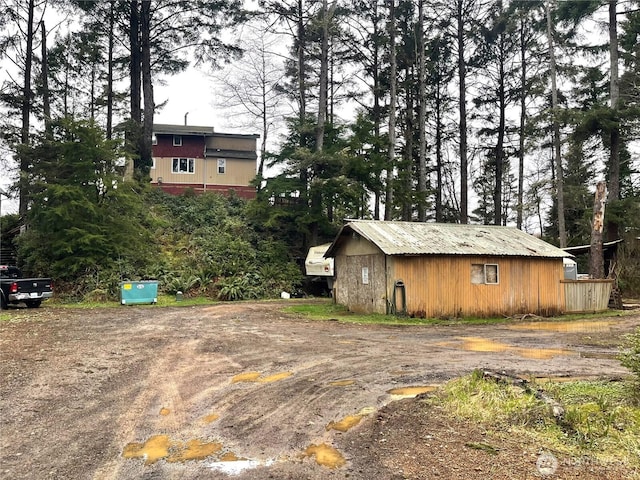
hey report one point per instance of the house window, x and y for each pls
(485, 273)
(222, 166)
(183, 165)
(177, 140)
(153, 163)
(154, 139)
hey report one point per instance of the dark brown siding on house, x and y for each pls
(192, 147)
(440, 286)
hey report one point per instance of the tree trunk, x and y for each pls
(405, 175)
(562, 231)
(596, 259)
(135, 63)
(109, 127)
(462, 86)
(422, 117)
(135, 75)
(439, 162)
(26, 111)
(301, 63)
(265, 119)
(388, 211)
(523, 123)
(499, 152)
(316, 197)
(46, 104)
(324, 78)
(377, 115)
(147, 86)
(614, 155)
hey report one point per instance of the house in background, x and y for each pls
(445, 270)
(198, 158)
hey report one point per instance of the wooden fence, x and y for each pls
(586, 295)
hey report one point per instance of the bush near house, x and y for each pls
(630, 358)
(199, 245)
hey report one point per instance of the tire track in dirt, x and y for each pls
(158, 408)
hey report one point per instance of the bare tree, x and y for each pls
(250, 87)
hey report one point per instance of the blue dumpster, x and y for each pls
(139, 292)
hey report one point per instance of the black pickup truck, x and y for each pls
(14, 289)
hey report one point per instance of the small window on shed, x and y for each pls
(482, 273)
(177, 140)
(491, 274)
(477, 273)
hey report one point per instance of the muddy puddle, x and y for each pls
(350, 421)
(258, 378)
(325, 455)
(161, 447)
(210, 418)
(412, 391)
(342, 383)
(578, 326)
(478, 344)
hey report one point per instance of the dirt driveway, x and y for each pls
(246, 391)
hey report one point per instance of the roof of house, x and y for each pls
(181, 129)
(166, 129)
(222, 153)
(414, 238)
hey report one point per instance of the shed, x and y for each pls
(445, 270)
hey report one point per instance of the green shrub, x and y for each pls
(242, 287)
(630, 358)
(180, 282)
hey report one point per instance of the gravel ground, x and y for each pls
(243, 390)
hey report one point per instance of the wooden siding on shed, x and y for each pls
(349, 286)
(440, 286)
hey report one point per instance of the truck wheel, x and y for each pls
(33, 303)
(3, 303)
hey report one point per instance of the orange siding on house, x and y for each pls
(238, 172)
(440, 286)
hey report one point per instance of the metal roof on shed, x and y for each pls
(414, 238)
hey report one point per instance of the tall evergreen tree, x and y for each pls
(82, 219)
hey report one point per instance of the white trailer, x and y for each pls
(319, 268)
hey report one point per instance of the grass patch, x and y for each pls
(163, 301)
(600, 421)
(327, 310)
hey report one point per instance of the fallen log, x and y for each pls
(556, 408)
